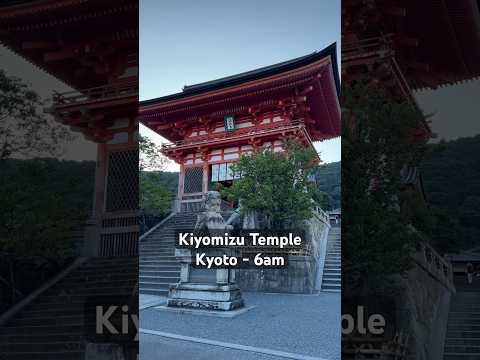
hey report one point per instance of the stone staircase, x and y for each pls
(53, 326)
(332, 270)
(158, 266)
(463, 332)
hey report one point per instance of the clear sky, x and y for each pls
(454, 109)
(185, 42)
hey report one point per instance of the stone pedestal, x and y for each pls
(206, 289)
(205, 296)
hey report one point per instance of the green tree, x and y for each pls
(151, 157)
(25, 130)
(155, 197)
(376, 145)
(276, 185)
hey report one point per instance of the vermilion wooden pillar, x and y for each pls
(100, 181)
(205, 177)
(181, 181)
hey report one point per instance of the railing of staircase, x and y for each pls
(321, 214)
(357, 346)
(438, 267)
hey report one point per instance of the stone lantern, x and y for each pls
(202, 288)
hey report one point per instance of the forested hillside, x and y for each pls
(328, 178)
(451, 178)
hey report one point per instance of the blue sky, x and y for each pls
(185, 42)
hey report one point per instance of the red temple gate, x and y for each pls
(211, 125)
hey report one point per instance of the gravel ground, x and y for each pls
(301, 324)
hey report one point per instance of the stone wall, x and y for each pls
(424, 305)
(303, 274)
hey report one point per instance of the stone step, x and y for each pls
(463, 349)
(158, 252)
(58, 346)
(39, 338)
(329, 267)
(462, 327)
(158, 258)
(102, 277)
(55, 300)
(47, 355)
(45, 320)
(331, 289)
(168, 273)
(92, 291)
(156, 285)
(461, 356)
(162, 279)
(59, 308)
(463, 320)
(332, 272)
(42, 330)
(161, 246)
(158, 292)
(163, 262)
(160, 267)
(95, 283)
(103, 272)
(332, 277)
(462, 341)
(460, 333)
(464, 315)
(57, 311)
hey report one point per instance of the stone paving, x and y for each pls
(301, 324)
(145, 301)
(159, 348)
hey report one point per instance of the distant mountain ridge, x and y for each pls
(451, 177)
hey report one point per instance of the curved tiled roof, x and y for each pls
(254, 75)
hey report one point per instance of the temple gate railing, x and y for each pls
(296, 124)
(376, 50)
(119, 234)
(95, 94)
(195, 202)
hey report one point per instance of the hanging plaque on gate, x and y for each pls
(229, 122)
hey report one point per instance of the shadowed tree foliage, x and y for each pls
(25, 130)
(276, 185)
(376, 145)
(43, 200)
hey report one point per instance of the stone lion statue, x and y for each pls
(211, 218)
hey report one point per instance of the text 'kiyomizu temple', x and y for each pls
(210, 125)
